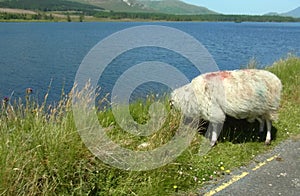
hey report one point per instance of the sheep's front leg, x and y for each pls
(217, 119)
(269, 127)
(214, 130)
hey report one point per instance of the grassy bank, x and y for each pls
(41, 151)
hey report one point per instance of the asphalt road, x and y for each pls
(274, 173)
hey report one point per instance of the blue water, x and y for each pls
(38, 54)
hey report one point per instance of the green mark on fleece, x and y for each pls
(261, 91)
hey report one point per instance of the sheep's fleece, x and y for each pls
(243, 94)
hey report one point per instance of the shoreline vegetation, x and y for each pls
(21, 15)
(41, 151)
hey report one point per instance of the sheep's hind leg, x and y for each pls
(269, 127)
(261, 124)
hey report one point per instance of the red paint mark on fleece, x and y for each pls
(221, 74)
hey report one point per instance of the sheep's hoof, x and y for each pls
(267, 142)
(212, 144)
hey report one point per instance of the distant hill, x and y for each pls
(294, 13)
(159, 6)
(272, 14)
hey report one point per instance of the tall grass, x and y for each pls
(289, 114)
(41, 152)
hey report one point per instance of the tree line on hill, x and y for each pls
(38, 17)
(203, 17)
(149, 16)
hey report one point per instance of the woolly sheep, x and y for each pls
(243, 94)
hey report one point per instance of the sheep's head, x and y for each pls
(184, 100)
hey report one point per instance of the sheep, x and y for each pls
(250, 94)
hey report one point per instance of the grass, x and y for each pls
(41, 151)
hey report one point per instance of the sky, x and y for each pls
(252, 7)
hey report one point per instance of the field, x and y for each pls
(41, 151)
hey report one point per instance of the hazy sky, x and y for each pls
(247, 6)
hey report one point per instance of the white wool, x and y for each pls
(243, 94)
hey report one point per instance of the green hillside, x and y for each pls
(117, 5)
(143, 6)
(48, 5)
(175, 7)
(159, 6)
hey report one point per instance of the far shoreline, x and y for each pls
(20, 15)
(136, 20)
